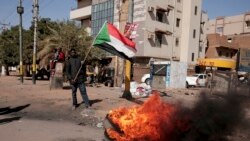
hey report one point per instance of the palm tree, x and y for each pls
(67, 35)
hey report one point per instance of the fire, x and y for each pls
(152, 121)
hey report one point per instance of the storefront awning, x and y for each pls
(217, 62)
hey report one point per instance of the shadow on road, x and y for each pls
(91, 102)
(8, 120)
(8, 110)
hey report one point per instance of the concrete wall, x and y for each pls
(175, 76)
(138, 72)
(178, 74)
(221, 81)
(83, 3)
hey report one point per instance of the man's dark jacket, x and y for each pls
(72, 67)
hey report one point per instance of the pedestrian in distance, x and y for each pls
(76, 73)
(61, 55)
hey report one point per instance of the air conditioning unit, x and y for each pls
(150, 9)
(151, 36)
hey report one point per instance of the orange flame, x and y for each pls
(152, 121)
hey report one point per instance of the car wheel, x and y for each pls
(109, 84)
(147, 81)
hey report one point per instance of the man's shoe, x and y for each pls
(73, 108)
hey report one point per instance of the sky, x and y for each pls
(54, 9)
(216, 8)
(60, 9)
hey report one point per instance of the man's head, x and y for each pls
(73, 53)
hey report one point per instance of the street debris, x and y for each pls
(138, 89)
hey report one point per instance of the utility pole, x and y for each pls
(35, 18)
(123, 18)
(20, 11)
(127, 94)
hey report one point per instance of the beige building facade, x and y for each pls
(168, 30)
(231, 25)
(226, 36)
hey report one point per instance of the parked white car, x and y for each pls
(146, 79)
(196, 80)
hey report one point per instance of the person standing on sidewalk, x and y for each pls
(72, 67)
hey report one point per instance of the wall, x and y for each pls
(175, 76)
(138, 72)
(178, 74)
(83, 3)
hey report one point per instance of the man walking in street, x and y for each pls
(76, 78)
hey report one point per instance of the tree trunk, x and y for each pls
(7, 72)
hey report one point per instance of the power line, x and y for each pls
(46, 5)
(11, 12)
(32, 10)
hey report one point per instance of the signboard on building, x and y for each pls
(244, 60)
(130, 30)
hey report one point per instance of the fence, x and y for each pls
(228, 82)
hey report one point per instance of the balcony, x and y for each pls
(80, 13)
(162, 27)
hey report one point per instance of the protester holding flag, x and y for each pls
(76, 73)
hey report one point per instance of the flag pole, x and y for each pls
(85, 58)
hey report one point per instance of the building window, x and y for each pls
(178, 22)
(195, 10)
(100, 13)
(192, 56)
(200, 48)
(248, 24)
(220, 53)
(232, 54)
(158, 39)
(194, 33)
(219, 30)
(159, 16)
(177, 42)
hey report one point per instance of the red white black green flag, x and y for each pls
(112, 41)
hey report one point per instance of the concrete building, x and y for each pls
(227, 35)
(168, 30)
(231, 25)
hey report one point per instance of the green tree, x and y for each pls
(9, 45)
(66, 35)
